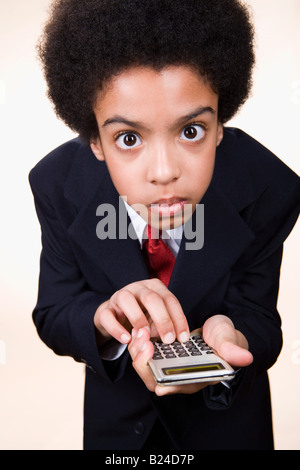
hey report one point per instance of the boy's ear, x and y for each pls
(97, 149)
(220, 134)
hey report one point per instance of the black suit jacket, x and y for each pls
(250, 208)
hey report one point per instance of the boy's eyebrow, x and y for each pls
(188, 117)
(196, 113)
(121, 120)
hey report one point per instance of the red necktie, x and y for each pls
(160, 258)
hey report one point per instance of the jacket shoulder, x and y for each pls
(55, 166)
(262, 165)
(71, 169)
(243, 165)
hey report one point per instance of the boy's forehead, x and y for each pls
(171, 87)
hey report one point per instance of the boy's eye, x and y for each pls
(128, 140)
(193, 132)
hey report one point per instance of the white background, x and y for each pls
(41, 395)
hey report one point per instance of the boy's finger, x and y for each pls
(178, 317)
(106, 322)
(138, 338)
(124, 303)
(235, 355)
(141, 350)
(157, 310)
(164, 310)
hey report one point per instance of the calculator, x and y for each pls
(190, 362)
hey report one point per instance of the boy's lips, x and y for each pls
(168, 201)
(170, 206)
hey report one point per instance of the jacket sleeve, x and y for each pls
(251, 299)
(66, 305)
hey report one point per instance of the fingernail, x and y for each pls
(169, 338)
(143, 347)
(140, 333)
(133, 333)
(125, 338)
(184, 337)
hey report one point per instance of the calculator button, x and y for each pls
(157, 355)
(198, 339)
(179, 350)
(193, 347)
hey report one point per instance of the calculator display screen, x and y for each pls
(192, 369)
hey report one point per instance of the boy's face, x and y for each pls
(158, 136)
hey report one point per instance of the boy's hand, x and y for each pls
(218, 332)
(142, 304)
(141, 350)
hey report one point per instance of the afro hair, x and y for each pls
(87, 42)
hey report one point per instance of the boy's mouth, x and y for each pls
(168, 207)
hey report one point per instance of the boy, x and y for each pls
(149, 86)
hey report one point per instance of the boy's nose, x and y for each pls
(163, 167)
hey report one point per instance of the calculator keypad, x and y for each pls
(196, 346)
